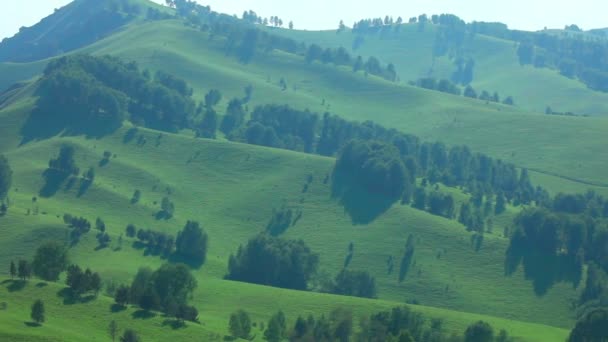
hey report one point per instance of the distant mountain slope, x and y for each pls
(75, 25)
(496, 66)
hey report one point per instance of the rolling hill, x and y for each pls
(233, 188)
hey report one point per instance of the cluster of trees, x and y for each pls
(374, 166)
(155, 242)
(273, 261)
(340, 56)
(338, 326)
(398, 324)
(79, 225)
(81, 282)
(354, 283)
(190, 245)
(447, 86)
(285, 127)
(279, 126)
(566, 232)
(443, 85)
(96, 94)
(167, 289)
(253, 18)
(573, 55)
(22, 270)
(49, 261)
(592, 327)
(282, 219)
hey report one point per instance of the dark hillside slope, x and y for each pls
(78, 24)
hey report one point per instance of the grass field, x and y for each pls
(232, 188)
(89, 321)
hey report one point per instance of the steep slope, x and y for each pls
(75, 25)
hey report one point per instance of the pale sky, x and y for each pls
(325, 14)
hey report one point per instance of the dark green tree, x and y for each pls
(38, 314)
(212, 98)
(240, 324)
(24, 269)
(479, 332)
(275, 331)
(113, 330)
(121, 296)
(209, 124)
(192, 242)
(130, 336)
(593, 327)
(50, 260)
(13, 269)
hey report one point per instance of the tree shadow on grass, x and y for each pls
(544, 270)
(71, 298)
(361, 205)
(143, 314)
(16, 285)
(42, 284)
(85, 184)
(44, 123)
(174, 323)
(53, 179)
(32, 324)
(114, 308)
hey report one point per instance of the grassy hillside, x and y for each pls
(565, 160)
(496, 67)
(232, 189)
(89, 321)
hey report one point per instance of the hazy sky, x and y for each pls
(325, 14)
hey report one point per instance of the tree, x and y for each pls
(131, 230)
(6, 177)
(293, 263)
(50, 260)
(275, 330)
(291, 25)
(593, 327)
(121, 297)
(130, 336)
(208, 125)
(113, 330)
(470, 92)
(479, 332)
(24, 269)
(501, 205)
(100, 225)
(509, 101)
(240, 324)
(212, 98)
(37, 313)
(167, 207)
(13, 269)
(355, 283)
(192, 242)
